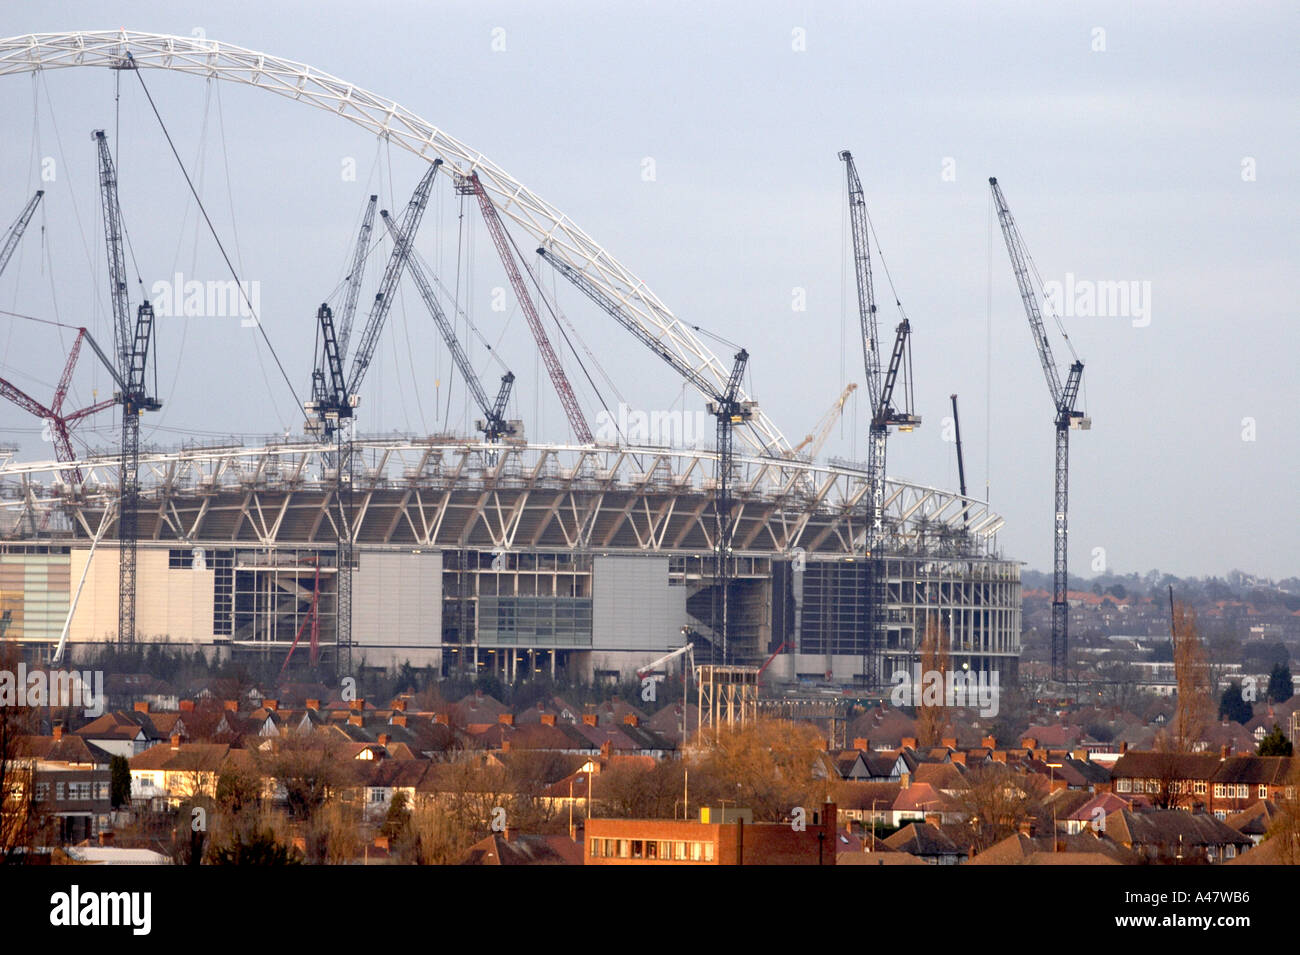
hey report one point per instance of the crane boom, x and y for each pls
(18, 228)
(116, 256)
(559, 380)
(880, 388)
(388, 284)
(616, 312)
(1066, 417)
(494, 425)
(1020, 265)
(354, 277)
(815, 440)
(961, 464)
(667, 657)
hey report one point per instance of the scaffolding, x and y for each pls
(728, 695)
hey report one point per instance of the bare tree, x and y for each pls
(1195, 703)
(932, 713)
(997, 802)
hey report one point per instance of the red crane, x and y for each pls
(471, 184)
(59, 424)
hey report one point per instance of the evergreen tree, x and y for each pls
(1275, 744)
(1233, 707)
(119, 772)
(1280, 687)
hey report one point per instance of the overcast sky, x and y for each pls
(1154, 146)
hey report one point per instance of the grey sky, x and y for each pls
(1124, 164)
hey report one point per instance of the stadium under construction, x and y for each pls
(495, 553)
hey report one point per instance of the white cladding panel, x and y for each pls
(633, 607)
(397, 600)
(170, 605)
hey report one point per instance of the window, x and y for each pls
(624, 849)
(638, 848)
(79, 791)
(652, 850)
(1199, 788)
(42, 792)
(708, 852)
(1263, 791)
(1218, 790)
(1124, 786)
(696, 852)
(680, 851)
(58, 792)
(665, 850)
(595, 848)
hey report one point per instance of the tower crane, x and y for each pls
(15, 231)
(1067, 417)
(559, 380)
(133, 344)
(723, 404)
(880, 389)
(328, 387)
(961, 464)
(815, 440)
(335, 396)
(494, 425)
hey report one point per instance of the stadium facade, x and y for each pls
(585, 561)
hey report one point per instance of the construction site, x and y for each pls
(495, 551)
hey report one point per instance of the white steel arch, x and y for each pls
(384, 117)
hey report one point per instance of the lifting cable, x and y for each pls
(216, 238)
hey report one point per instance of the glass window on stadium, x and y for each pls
(835, 603)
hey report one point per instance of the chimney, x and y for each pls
(442, 718)
(989, 742)
(313, 704)
(588, 719)
(505, 746)
(231, 705)
(605, 749)
(141, 706)
(999, 756)
(176, 740)
(959, 759)
(399, 706)
(271, 705)
(1225, 751)
(1027, 828)
(106, 838)
(949, 742)
(357, 705)
(548, 719)
(506, 719)
(354, 719)
(398, 719)
(384, 739)
(631, 720)
(1081, 755)
(381, 842)
(862, 744)
(1029, 743)
(1123, 747)
(909, 742)
(58, 732)
(905, 779)
(934, 819)
(186, 706)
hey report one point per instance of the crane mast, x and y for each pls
(133, 343)
(355, 275)
(1066, 416)
(559, 380)
(18, 228)
(880, 389)
(724, 404)
(494, 426)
